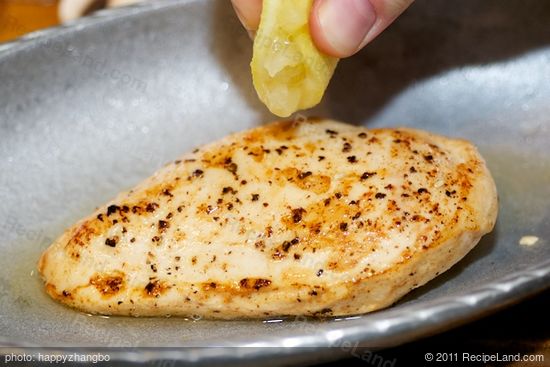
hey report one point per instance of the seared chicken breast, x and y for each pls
(314, 218)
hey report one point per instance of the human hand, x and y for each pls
(339, 28)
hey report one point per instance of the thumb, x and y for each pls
(342, 27)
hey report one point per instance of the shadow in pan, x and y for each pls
(431, 37)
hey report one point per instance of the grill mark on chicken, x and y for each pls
(108, 284)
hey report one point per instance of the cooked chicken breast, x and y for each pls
(312, 218)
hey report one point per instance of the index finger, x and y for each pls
(249, 12)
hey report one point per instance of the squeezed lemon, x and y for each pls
(289, 73)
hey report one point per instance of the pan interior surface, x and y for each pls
(90, 110)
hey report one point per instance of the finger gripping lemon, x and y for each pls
(288, 71)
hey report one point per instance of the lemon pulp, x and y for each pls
(289, 73)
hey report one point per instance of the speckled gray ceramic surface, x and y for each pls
(90, 109)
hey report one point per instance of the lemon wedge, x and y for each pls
(288, 71)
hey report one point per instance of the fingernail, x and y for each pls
(345, 23)
(251, 34)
